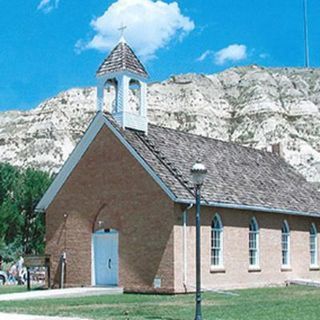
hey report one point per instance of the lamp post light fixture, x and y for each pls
(198, 173)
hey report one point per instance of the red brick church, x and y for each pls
(121, 208)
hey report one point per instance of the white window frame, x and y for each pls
(285, 232)
(313, 236)
(254, 237)
(213, 248)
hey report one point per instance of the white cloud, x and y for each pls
(150, 25)
(232, 53)
(48, 5)
(264, 55)
(205, 55)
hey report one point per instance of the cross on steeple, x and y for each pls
(122, 28)
(123, 70)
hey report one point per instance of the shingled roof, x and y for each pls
(236, 174)
(122, 58)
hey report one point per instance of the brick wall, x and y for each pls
(109, 185)
(236, 273)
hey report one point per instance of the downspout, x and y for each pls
(185, 245)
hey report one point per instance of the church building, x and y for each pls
(122, 209)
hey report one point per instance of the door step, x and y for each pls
(303, 282)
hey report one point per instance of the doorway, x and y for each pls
(105, 257)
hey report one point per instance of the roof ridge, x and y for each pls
(123, 46)
(136, 57)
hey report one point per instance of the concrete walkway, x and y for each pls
(60, 293)
(13, 316)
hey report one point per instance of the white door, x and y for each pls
(106, 257)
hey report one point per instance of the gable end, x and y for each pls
(97, 123)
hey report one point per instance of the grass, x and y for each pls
(292, 303)
(16, 288)
(12, 289)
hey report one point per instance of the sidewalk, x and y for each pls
(13, 316)
(59, 293)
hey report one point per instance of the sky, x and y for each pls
(47, 46)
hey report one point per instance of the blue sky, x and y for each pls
(52, 45)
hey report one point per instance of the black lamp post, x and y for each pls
(198, 172)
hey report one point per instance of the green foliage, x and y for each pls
(21, 229)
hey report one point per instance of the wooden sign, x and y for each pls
(37, 261)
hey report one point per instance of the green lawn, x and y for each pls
(12, 289)
(292, 303)
(16, 288)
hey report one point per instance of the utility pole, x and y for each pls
(306, 34)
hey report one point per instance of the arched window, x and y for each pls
(134, 96)
(313, 245)
(216, 241)
(110, 96)
(253, 243)
(285, 244)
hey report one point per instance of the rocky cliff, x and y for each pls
(252, 105)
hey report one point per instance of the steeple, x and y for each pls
(122, 58)
(123, 71)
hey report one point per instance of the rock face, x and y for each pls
(252, 105)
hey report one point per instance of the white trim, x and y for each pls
(315, 230)
(256, 232)
(93, 129)
(239, 206)
(106, 76)
(71, 162)
(288, 234)
(93, 272)
(221, 263)
(185, 246)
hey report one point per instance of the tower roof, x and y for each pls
(122, 58)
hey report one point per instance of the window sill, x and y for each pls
(254, 269)
(217, 269)
(314, 268)
(286, 268)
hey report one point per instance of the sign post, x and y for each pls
(37, 261)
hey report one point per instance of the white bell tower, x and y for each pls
(123, 71)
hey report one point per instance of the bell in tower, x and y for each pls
(123, 71)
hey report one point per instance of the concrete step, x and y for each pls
(304, 282)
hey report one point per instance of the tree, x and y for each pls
(35, 183)
(21, 229)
